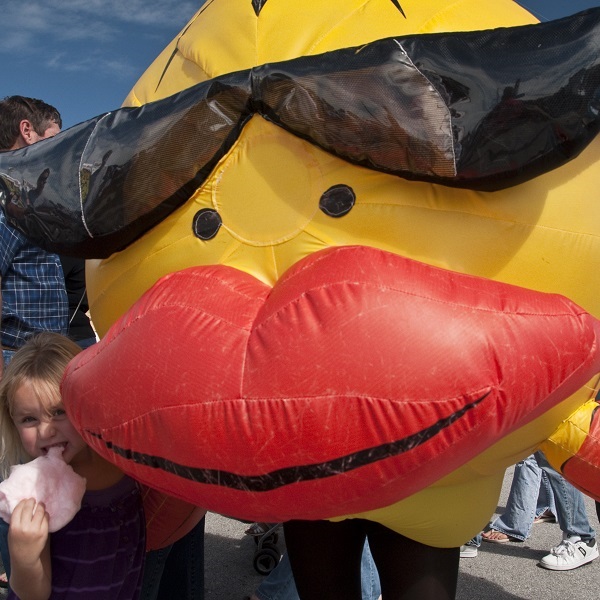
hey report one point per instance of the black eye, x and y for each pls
(206, 223)
(337, 201)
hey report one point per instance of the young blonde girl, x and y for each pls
(99, 554)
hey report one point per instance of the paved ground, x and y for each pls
(499, 572)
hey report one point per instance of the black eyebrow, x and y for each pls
(258, 5)
(397, 5)
(481, 110)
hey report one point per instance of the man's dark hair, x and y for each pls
(14, 109)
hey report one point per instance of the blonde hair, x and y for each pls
(41, 361)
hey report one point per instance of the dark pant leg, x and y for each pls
(325, 558)
(409, 570)
(177, 571)
(154, 565)
(183, 577)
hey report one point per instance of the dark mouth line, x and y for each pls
(279, 478)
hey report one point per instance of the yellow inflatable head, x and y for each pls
(272, 192)
(524, 235)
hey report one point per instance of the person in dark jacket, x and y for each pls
(80, 326)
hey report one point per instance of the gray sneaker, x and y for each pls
(468, 551)
(570, 554)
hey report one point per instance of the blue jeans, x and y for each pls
(570, 506)
(7, 355)
(176, 571)
(530, 496)
(279, 583)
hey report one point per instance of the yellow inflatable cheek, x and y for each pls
(445, 515)
(470, 494)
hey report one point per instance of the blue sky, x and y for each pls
(83, 56)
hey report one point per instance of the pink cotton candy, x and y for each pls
(48, 479)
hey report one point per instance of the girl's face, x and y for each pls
(41, 426)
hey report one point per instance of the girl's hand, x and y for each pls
(28, 533)
(29, 548)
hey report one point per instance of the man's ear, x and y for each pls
(26, 134)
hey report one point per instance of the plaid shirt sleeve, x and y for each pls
(33, 289)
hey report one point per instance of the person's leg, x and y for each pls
(369, 577)
(409, 570)
(279, 583)
(517, 520)
(570, 506)
(7, 356)
(325, 558)
(183, 576)
(545, 502)
(471, 548)
(598, 509)
(154, 565)
(578, 546)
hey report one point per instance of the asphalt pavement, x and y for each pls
(499, 572)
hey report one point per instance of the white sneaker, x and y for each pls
(468, 551)
(570, 554)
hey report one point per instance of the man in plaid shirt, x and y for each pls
(33, 296)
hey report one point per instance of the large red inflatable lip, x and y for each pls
(359, 379)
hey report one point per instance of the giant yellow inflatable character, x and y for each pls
(364, 240)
